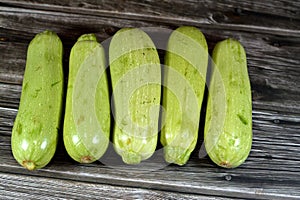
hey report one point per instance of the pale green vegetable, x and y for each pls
(35, 131)
(184, 81)
(87, 114)
(228, 126)
(136, 81)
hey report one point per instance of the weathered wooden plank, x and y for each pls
(31, 187)
(13, 55)
(7, 117)
(208, 180)
(10, 95)
(238, 14)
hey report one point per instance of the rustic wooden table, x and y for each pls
(270, 32)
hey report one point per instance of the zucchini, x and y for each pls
(136, 82)
(87, 114)
(228, 125)
(184, 80)
(35, 130)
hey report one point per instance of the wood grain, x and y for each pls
(198, 177)
(29, 187)
(228, 13)
(272, 170)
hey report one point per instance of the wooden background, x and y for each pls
(270, 33)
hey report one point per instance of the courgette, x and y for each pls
(228, 124)
(87, 114)
(35, 130)
(184, 83)
(136, 83)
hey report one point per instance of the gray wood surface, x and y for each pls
(270, 33)
(20, 186)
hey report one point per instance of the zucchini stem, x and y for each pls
(29, 165)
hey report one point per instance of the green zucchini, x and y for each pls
(136, 81)
(228, 126)
(184, 80)
(87, 114)
(35, 130)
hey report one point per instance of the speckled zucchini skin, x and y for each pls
(87, 114)
(35, 131)
(228, 126)
(184, 80)
(136, 81)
